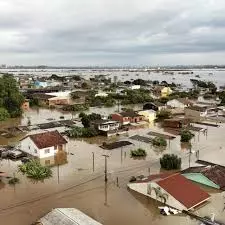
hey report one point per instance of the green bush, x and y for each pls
(138, 153)
(163, 114)
(78, 132)
(14, 181)
(76, 107)
(186, 136)
(4, 114)
(33, 169)
(170, 162)
(159, 141)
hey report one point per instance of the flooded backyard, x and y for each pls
(78, 180)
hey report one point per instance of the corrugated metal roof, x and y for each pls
(67, 216)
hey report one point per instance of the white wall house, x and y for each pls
(43, 145)
(178, 103)
(106, 125)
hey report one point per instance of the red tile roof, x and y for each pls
(47, 139)
(183, 190)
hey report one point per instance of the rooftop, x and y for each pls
(47, 139)
(67, 216)
(198, 108)
(214, 173)
(129, 114)
(187, 193)
(101, 121)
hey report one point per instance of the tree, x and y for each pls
(84, 85)
(33, 169)
(74, 95)
(10, 97)
(4, 114)
(77, 132)
(163, 114)
(159, 141)
(138, 153)
(186, 136)
(86, 119)
(170, 162)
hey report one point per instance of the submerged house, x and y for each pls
(212, 176)
(172, 189)
(127, 117)
(106, 127)
(43, 145)
(179, 103)
(156, 106)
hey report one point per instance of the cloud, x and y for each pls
(112, 32)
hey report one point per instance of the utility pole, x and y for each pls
(190, 157)
(93, 161)
(58, 172)
(106, 172)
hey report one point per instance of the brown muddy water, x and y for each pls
(76, 183)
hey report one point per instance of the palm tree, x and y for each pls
(159, 194)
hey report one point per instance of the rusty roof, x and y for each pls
(183, 190)
(47, 139)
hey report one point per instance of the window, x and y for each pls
(55, 147)
(35, 150)
(47, 151)
(29, 147)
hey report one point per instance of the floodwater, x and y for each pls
(78, 181)
(215, 75)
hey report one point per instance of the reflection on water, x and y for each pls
(59, 158)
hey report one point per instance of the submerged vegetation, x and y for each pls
(138, 153)
(186, 136)
(33, 169)
(159, 141)
(170, 162)
(78, 132)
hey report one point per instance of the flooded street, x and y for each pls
(79, 183)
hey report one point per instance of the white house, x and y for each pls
(172, 189)
(101, 94)
(179, 103)
(43, 145)
(135, 87)
(106, 125)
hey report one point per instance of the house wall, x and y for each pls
(107, 127)
(199, 178)
(166, 91)
(121, 119)
(28, 146)
(144, 188)
(149, 116)
(175, 104)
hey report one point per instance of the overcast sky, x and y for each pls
(112, 32)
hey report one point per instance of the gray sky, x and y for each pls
(112, 32)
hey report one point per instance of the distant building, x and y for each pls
(179, 103)
(149, 115)
(101, 94)
(40, 84)
(156, 106)
(162, 91)
(127, 117)
(171, 189)
(106, 126)
(176, 123)
(43, 145)
(135, 87)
